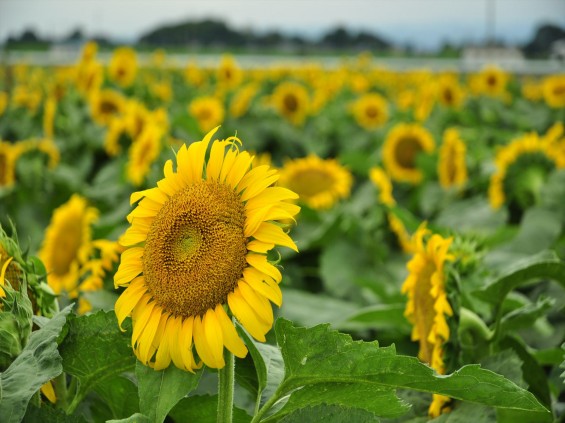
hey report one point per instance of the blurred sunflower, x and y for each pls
(292, 101)
(67, 243)
(123, 66)
(3, 102)
(89, 77)
(194, 76)
(105, 105)
(491, 81)
(88, 52)
(49, 110)
(229, 75)
(452, 166)
(197, 243)
(401, 147)
(116, 129)
(381, 180)
(8, 155)
(136, 116)
(143, 152)
(319, 183)
(427, 305)
(370, 111)
(449, 92)
(242, 100)
(521, 170)
(208, 111)
(532, 89)
(553, 88)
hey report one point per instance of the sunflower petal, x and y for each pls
(232, 340)
(259, 262)
(269, 233)
(129, 299)
(245, 314)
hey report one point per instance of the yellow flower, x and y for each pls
(527, 180)
(554, 91)
(242, 100)
(197, 243)
(229, 74)
(319, 183)
(3, 102)
(194, 76)
(143, 152)
(491, 81)
(67, 243)
(162, 90)
(532, 89)
(116, 128)
(136, 116)
(450, 93)
(123, 66)
(370, 111)
(397, 227)
(106, 105)
(427, 305)
(9, 153)
(401, 147)
(27, 97)
(452, 167)
(49, 111)
(292, 101)
(88, 52)
(89, 77)
(383, 183)
(208, 111)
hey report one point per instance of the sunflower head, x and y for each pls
(208, 111)
(370, 111)
(381, 180)
(292, 101)
(196, 253)
(106, 105)
(143, 152)
(88, 52)
(3, 102)
(553, 88)
(450, 93)
(242, 100)
(89, 76)
(402, 146)
(229, 74)
(319, 183)
(491, 81)
(452, 166)
(123, 66)
(8, 156)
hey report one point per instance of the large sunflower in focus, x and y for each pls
(67, 243)
(292, 101)
(370, 111)
(401, 148)
(427, 305)
(197, 252)
(319, 183)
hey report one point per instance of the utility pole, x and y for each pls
(490, 22)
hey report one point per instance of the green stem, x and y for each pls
(469, 321)
(225, 390)
(60, 387)
(267, 405)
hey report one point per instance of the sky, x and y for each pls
(422, 23)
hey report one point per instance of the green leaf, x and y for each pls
(159, 391)
(320, 355)
(365, 396)
(329, 414)
(544, 265)
(120, 395)
(38, 363)
(380, 316)
(134, 418)
(95, 350)
(526, 316)
(203, 409)
(472, 216)
(462, 411)
(48, 414)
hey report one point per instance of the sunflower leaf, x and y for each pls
(319, 355)
(38, 363)
(203, 409)
(160, 391)
(95, 350)
(329, 413)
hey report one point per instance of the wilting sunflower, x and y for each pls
(197, 243)
(143, 152)
(319, 183)
(292, 101)
(106, 105)
(123, 66)
(452, 167)
(208, 111)
(370, 111)
(521, 170)
(554, 91)
(67, 243)
(401, 147)
(427, 305)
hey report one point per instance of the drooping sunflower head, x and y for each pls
(106, 105)
(208, 111)
(370, 111)
(292, 101)
(554, 91)
(320, 183)
(522, 168)
(67, 243)
(427, 305)
(143, 152)
(123, 66)
(402, 146)
(197, 252)
(452, 166)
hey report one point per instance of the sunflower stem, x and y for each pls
(225, 390)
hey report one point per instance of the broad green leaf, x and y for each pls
(526, 316)
(320, 355)
(203, 409)
(120, 395)
(380, 316)
(134, 418)
(48, 414)
(544, 265)
(522, 416)
(159, 391)
(472, 216)
(329, 414)
(462, 411)
(381, 402)
(38, 363)
(95, 350)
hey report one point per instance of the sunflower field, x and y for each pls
(289, 243)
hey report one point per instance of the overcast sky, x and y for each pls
(424, 23)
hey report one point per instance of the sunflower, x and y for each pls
(427, 305)
(553, 88)
(136, 117)
(88, 52)
(521, 170)
(319, 183)
(292, 101)
(198, 242)
(370, 111)
(123, 66)
(143, 152)
(449, 92)
(105, 105)
(89, 77)
(242, 100)
(229, 74)
(116, 129)
(8, 156)
(491, 81)
(67, 243)
(401, 147)
(208, 111)
(49, 111)
(532, 89)
(194, 76)
(9, 271)
(162, 90)
(452, 168)
(381, 180)
(3, 102)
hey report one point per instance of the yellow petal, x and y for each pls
(245, 314)
(154, 194)
(259, 247)
(201, 343)
(259, 262)
(157, 344)
(269, 233)
(172, 333)
(140, 317)
(258, 186)
(216, 160)
(258, 303)
(231, 339)
(185, 344)
(129, 299)
(49, 392)
(239, 168)
(163, 356)
(214, 337)
(270, 196)
(263, 284)
(146, 337)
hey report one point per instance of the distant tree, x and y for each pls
(75, 36)
(544, 37)
(338, 38)
(28, 36)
